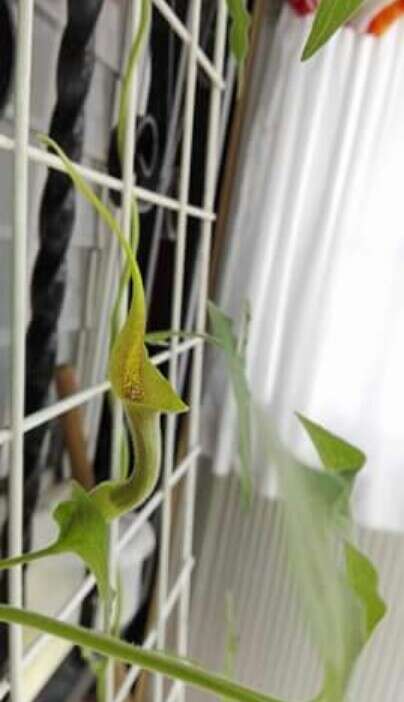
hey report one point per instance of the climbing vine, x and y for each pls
(341, 597)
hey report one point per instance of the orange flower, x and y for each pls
(386, 17)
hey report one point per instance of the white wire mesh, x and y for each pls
(25, 153)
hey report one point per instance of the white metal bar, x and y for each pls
(63, 615)
(179, 348)
(98, 347)
(31, 421)
(86, 326)
(34, 420)
(183, 33)
(118, 429)
(173, 137)
(189, 112)
(38, 155)
(22, 109)
(78, 398)
(227, 98)
(152, 637)
(173, 596)
(75, 602)
(24, 153)
(174, 691)
(187, 37)
(184, 465)
(133, 672)
(197, 368)
(170, 152)
(89, 582)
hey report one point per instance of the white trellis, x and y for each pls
(24, 153)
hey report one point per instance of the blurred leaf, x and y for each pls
(340, 458)
(223, 337)
(331, 608)
(340, 596)
(330, 16)
(162, 338)
(239, 29)
(343, 459)
(335, 453)
(222, 330)
(364, 579)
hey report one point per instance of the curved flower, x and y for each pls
(145, 394)
(144, 391)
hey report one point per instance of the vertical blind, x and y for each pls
(316, 243)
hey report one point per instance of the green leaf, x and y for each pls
(364, 580)
(340, 598)
(162, 338)
(171, 666)
(222, 330)
(339, 456)
(82, 531)
(331, 609)
(224, 338)
(330, 16)
(238, 38)
(335, 453)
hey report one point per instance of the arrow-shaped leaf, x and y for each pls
(336, 454)
(240, 25)
(329, 17)
(82, 531)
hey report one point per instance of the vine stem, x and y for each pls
(145, 14)
(154, 661)
(25, 558)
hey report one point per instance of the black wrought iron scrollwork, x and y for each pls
(6, 52)
(75, 69)
(147, 156)
(74, 72)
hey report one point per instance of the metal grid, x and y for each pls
(24, 153)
